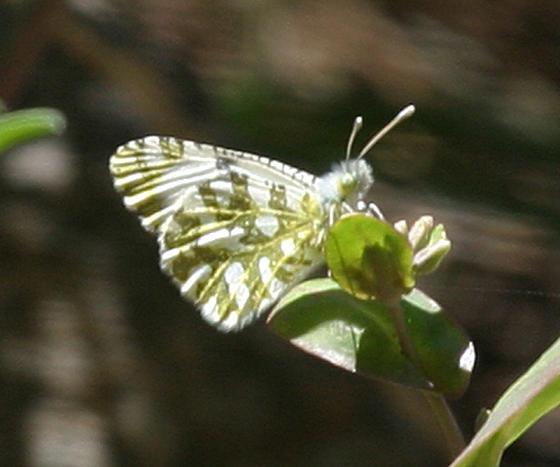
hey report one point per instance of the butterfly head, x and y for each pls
(355, 176)
(353, 180)
(348, 182)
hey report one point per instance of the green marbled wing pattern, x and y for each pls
(235, 230)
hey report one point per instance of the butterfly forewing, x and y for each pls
(235, 230)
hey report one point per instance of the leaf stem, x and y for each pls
(454, 439)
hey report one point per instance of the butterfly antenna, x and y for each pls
(358, 122)
(405, 113)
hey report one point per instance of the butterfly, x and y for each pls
(237, 230)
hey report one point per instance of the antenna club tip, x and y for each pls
(408, 111)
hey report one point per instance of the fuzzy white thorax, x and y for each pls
(348, 182)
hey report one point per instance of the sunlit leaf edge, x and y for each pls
(23, 125)
(531, 396)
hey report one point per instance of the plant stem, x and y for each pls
(454, 439)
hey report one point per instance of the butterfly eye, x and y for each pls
(347, 184)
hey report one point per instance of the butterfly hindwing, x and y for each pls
(235, 230)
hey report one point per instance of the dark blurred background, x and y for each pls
(103, 364)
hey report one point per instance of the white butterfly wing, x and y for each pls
(235, 230)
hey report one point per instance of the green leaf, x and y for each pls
(527, 400)
(445, 352)
(369, 258)
(24, 125)
(359, 336)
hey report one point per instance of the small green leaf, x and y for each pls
(320, 318)
(533, 395)
(23, 125)
(369, 258)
